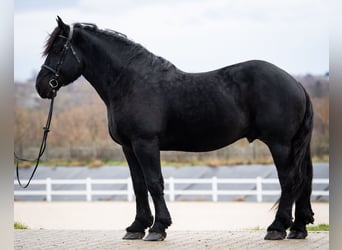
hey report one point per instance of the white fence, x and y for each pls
(170, 188)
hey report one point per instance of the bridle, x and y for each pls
(41, 150)
(54, 82)
(54, 85)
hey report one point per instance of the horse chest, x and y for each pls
(114, 130)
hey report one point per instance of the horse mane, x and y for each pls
(50, 40)
(136, 49)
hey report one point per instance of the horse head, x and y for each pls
(63, 63)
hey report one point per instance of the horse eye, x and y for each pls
(57, 47)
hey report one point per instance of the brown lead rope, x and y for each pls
(42, 148)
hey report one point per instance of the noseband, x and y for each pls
(54, 82)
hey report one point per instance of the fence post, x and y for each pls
(129, 189)
(48, 189)
(88, 189)
(171, 189)
(259, 188)
(214, 188)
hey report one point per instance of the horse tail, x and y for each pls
(301, 174)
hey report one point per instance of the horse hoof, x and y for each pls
(275, 235)
(152, 236)
(134, 236)
(297, 234)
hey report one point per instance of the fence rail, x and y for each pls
(170, 188)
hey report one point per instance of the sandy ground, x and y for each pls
(199, 216)
(176, 240)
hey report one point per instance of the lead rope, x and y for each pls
(42, 147)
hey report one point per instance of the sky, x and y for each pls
(195, 35)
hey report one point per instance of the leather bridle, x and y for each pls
(54, 85)
(54, 81)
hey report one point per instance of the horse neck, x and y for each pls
(103, 65)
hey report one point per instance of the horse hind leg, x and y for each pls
(303, 210)
(283, 219)
(143, 218)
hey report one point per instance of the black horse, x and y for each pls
(154, 106)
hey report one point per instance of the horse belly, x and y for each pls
(199, 137)
(203, 117)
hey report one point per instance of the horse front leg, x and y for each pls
(143, 218)
(148, 155)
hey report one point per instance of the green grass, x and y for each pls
(205, 162)
(320, 227)
(18, 225)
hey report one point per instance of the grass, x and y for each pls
(98, 163)
(211, 162)
(18, 225)
(320, 227)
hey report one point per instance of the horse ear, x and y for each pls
(63, 27)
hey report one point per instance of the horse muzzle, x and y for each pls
(46, 92)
